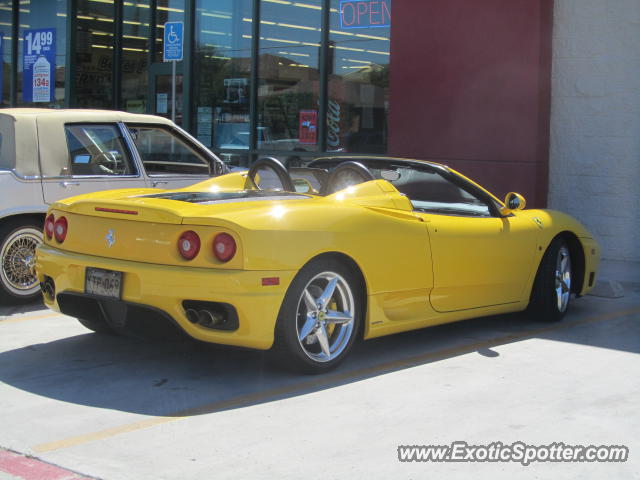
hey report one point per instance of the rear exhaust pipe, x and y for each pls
(213, 315)
(207, 319)
(192, 315)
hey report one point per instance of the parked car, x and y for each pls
(46, 155)
(306, 265)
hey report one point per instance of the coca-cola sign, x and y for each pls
(333, 125)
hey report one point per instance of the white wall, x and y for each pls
(595, 120)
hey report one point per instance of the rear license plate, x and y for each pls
(105, 283)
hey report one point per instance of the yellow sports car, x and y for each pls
(306, 261)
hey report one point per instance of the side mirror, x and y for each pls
(513, 202)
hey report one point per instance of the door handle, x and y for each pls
(69, 184)
(155, 183)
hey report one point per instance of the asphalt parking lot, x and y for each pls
(116, 408)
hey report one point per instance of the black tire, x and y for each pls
(18, 240)
(288, 350)
(98, 326)
(551, 293)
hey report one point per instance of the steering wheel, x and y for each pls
(346, 175)
(108, 164)
(273, 164)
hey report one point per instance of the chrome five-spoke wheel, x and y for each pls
(320, 317)
(325, 317)
(563, 278)
(552, 288)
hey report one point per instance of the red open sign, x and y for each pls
(365, 14)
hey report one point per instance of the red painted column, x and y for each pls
(470, 87)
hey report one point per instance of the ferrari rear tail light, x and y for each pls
(48, 226)
(60, 228)
(189, 245)
(224, 247)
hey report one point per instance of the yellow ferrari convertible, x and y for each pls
(306, 261)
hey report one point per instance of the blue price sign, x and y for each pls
(365, 13)
(39, 65)
(173, 41)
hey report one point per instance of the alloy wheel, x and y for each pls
(563, 279)
(325, 317)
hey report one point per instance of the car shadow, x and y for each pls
(189, 378)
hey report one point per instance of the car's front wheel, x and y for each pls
(320, 317)
(551, 292)
(18, 241)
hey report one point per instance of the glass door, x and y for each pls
(160, 82)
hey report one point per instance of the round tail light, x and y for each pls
(49, 225)
(189, 245)
(60, 228)
(224, 247)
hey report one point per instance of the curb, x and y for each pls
(30, 468)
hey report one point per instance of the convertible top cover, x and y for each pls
(209, 198)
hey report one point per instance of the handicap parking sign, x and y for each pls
(173, 41)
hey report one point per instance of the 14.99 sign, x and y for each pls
(39, 65)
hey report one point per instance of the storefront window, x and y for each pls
(94, 54)
(135, 49)
(359, 76)
(222, 75)
(41, 52)
(288, 91)
(5, 51)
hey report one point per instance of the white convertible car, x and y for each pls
(46, 155)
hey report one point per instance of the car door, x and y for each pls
(169, 157)
(85, 157)
(479, 257)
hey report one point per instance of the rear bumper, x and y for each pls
(163, 288)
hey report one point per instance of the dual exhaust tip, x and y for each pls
(213, 315)
(203, 317)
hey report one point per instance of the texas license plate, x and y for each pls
(105, 283)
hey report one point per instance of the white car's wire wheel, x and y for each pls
(18, 242)
(320, 317)
(551, 294)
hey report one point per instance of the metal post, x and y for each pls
(188, 44)
(116, 70)
(70, 55)
(325, 72)
(253, 100)
(173, 91)
(15, 32)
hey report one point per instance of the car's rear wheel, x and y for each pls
(551, 292)
(320, 317)
(18, 241)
